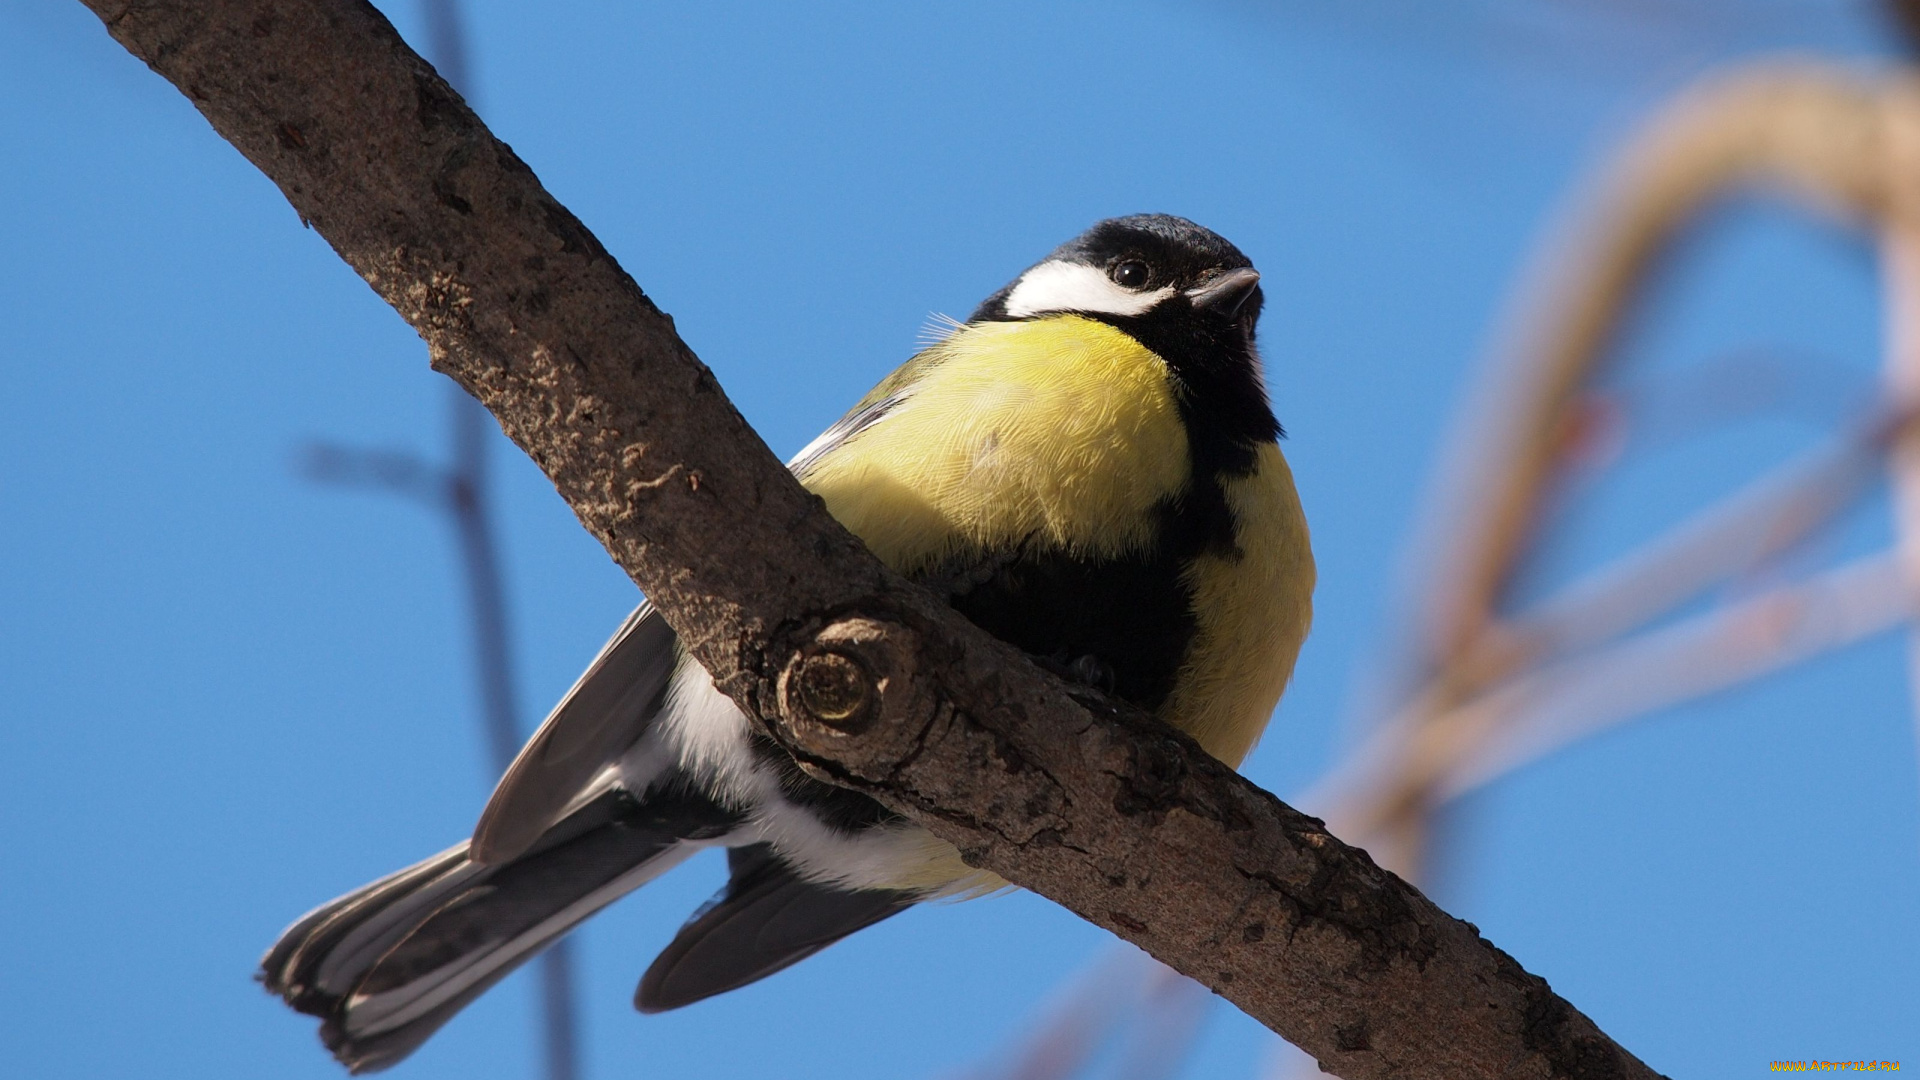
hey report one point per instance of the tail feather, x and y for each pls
(304, 965)
(386, 966)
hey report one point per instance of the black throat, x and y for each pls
(1223, 407)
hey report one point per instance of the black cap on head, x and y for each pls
(1184, 251)
(1157, 254)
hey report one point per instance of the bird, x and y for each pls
(1087, 468)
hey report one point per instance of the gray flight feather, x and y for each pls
(605, 712)
(766, 919)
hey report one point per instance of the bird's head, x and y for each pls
(1152, 274)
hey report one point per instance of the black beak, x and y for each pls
(1226, 294)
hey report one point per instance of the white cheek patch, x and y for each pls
(1065, 286)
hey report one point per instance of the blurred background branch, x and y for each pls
(461, 490)
(1491, 673)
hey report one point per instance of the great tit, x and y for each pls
(1086, 468)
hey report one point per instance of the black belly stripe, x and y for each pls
(1129, 619)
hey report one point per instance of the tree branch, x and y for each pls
(863, 677)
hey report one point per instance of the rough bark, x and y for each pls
(865, 678)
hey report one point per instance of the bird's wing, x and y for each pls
(860, 419)
(604, 714)
(613, 703)
(766, 919)
(881, 400)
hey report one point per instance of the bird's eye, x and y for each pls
(1132, 274)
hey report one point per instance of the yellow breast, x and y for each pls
(1061, 429)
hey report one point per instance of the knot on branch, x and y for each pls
(850, 692)
(837, 690)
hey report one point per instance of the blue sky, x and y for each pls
(227, 694)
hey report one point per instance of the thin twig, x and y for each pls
(1732, 644)
(462, 491)
(473, 431)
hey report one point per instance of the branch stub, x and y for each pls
(853, 685)
(836, 690)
